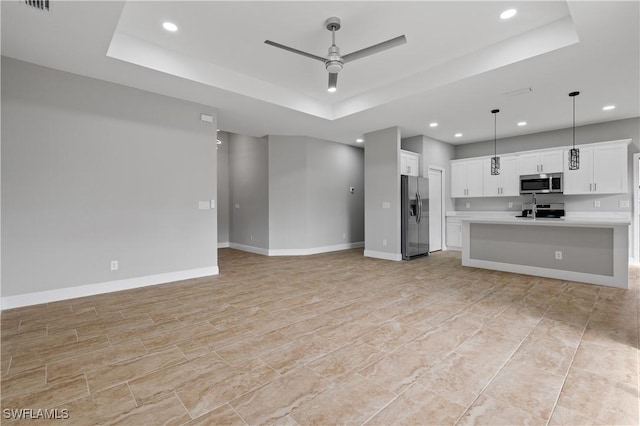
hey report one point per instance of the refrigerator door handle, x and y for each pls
(419, 212)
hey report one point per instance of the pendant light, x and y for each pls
(495, 160)
(574, 153)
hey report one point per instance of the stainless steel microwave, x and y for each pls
(542, 183)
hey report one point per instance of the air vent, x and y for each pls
(38, 4)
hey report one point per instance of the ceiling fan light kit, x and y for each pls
(333, 62)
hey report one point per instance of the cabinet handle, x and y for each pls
(595, 187)
(408, 169)
(590, 187)
(542, 167)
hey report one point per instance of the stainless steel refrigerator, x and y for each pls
(415, 216)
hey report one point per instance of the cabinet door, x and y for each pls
(475, 178)
(454, 233)
(490, 183)
(510, 178)
(458, 179)
(551, 161)
(528, 164)
(413, 165)
(609, 169)
(579, 181)
(409, 164)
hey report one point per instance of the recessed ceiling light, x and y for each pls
(507, 14)
(170, 26)
(359, 140)
(458, 135)
(331, 89)
(608, 107)
(433, 124)
(522, 123)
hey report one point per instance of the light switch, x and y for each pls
(386, 205)
(237, 206)
(212, 204)
(203, 205)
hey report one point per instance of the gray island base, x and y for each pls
(588, 251)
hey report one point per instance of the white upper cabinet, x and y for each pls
(504, 184)
(603, 170)
(466, 178)
(409, 163)
(549, 161)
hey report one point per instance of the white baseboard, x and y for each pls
(315, 250)
(223, 245)
(9, 302)
(250, 249)
(383, 255)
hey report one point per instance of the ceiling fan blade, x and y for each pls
(376, 48)
(299, 52)
(333, 81)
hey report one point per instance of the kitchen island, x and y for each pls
(592, 251)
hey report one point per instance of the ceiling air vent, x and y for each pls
(38, 4)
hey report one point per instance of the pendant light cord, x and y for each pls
(495, 132)
(574, 122)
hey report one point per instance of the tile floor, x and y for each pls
(331, 339)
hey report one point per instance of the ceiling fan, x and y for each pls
(334, 62)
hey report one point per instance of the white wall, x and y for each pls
(94, 172)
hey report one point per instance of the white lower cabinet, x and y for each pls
(454, 233)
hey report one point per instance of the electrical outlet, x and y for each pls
(558, 255)
(237, 205)
(624, 203)
(386, 205)
(250, 237)
(384, 242)
(596, 203)
(114, 265)
(468, 205)
(510, 204)
(344, 236)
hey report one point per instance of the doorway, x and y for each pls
(436, 208)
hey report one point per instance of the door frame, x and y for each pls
(443, 236)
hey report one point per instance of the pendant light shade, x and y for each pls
(574, 153)
(495, 160)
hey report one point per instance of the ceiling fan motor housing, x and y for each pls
(334, 61)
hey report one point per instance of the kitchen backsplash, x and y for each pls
(571, 202)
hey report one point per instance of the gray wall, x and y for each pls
(249, 191)
(613, 130)
(334, 215)
(309, 201)
(93, 172)
(288, 193)
(382, 185)
(433, 153)
(223, 189)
